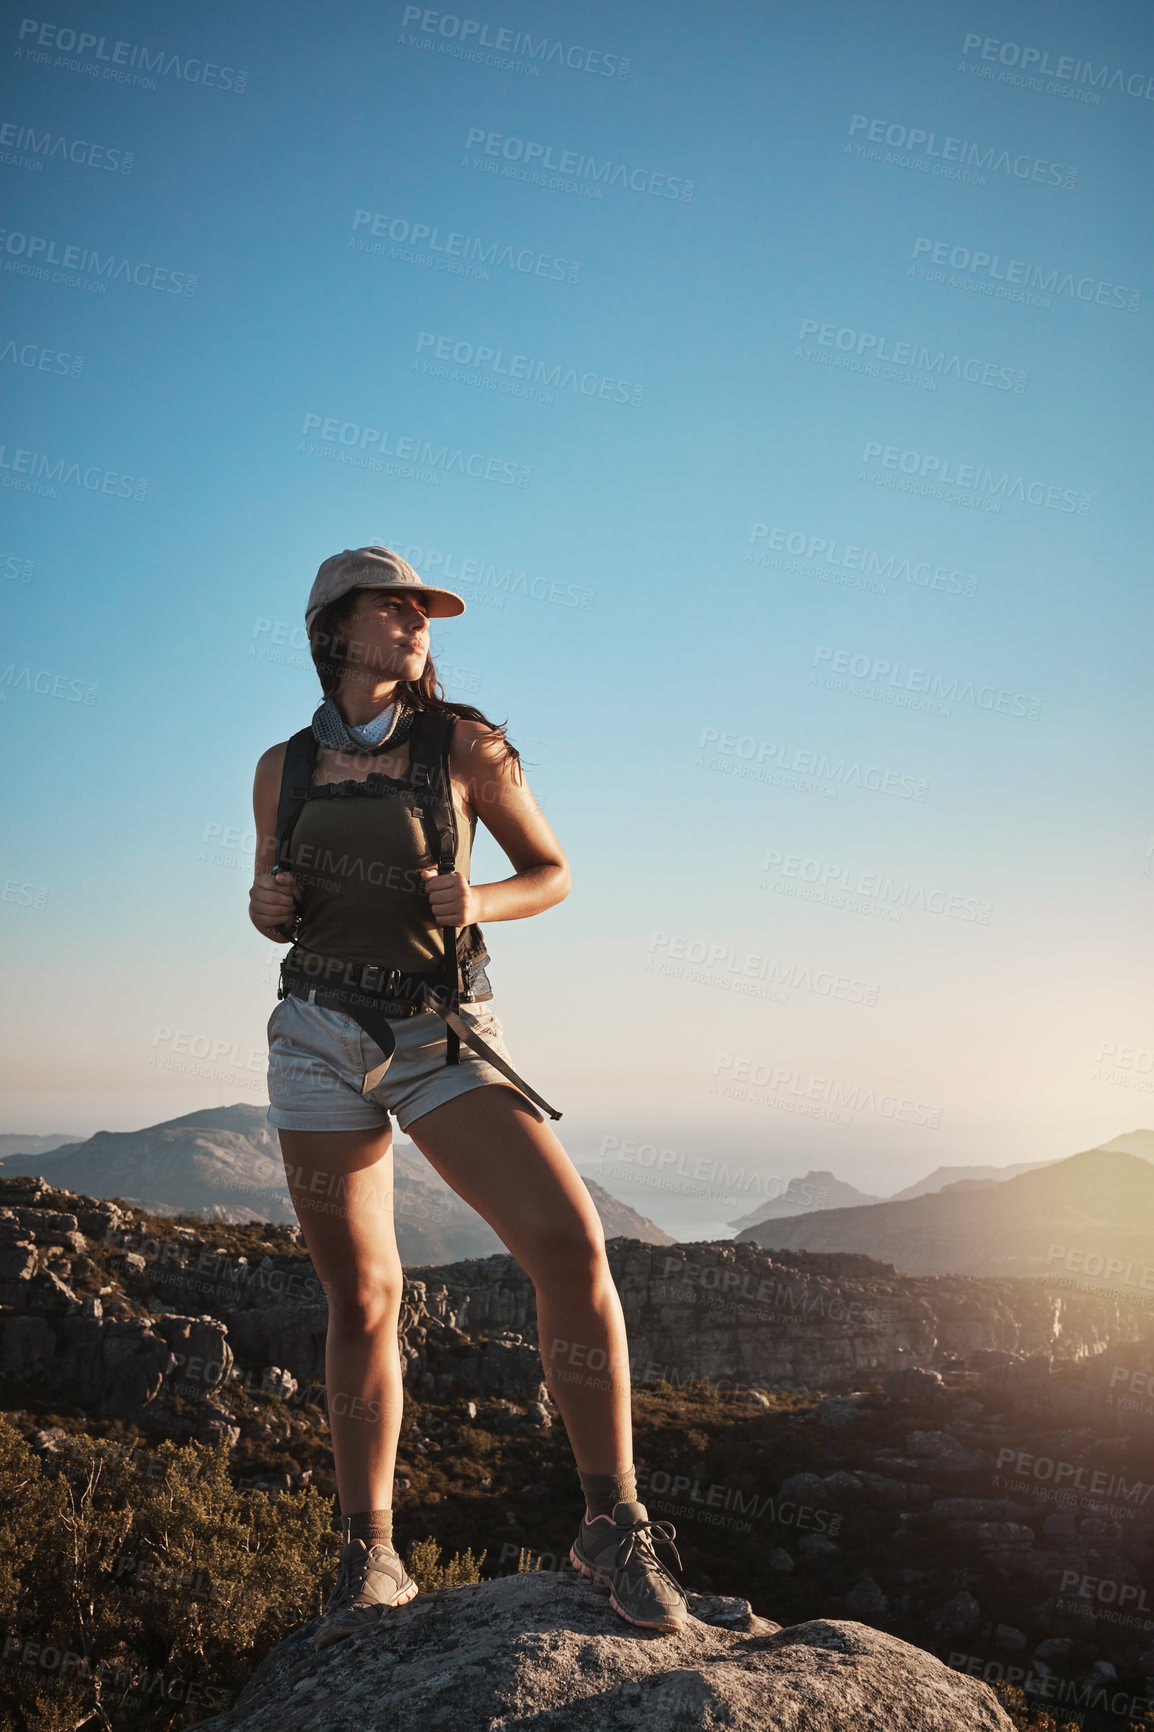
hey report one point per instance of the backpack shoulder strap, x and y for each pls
(431, 780)
(296, 776)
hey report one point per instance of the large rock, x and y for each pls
(26, 1346)
(112, 1369)
(546, 1651)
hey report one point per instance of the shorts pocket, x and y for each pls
(282, 1004)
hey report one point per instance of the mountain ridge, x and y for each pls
(224, 1164)
(1095, 1204)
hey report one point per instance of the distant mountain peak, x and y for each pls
(1088, 1212)
(224, 1163)
(802, 1196)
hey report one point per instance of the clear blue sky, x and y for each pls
(725, 316)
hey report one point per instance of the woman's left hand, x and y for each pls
(454, 900)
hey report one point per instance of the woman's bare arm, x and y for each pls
(499, 795)
(271, 901)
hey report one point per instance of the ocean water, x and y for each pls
(671, 1205)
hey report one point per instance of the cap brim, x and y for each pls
(441, 603)
(448, 603)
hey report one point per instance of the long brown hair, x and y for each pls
(329, 649)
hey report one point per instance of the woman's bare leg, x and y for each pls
(341, 1184)
(512, 1169)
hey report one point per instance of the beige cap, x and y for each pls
(375, 568)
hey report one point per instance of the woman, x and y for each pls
(365, 903)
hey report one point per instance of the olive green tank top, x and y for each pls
(357, 851)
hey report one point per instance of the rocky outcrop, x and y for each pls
(104, 1313)
(736, 1315)
(546, 1650)
(967, 1471)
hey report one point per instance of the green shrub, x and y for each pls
(141, 1588)
(125, 1561)
(425, 1566)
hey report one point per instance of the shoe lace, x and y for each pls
(641, 1538)
(339, 1585)
(358, 1573)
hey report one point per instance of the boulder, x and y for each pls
(200, 1347)
(18, 1262)
(112, 1368)
(545, 1650)
(841, 1409)
(26, 1346)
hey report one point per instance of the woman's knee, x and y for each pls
(363, 1301)
(569, 1253)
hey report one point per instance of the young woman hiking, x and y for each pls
(372, 887)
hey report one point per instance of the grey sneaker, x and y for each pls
(618, 1553)
(368, 1584)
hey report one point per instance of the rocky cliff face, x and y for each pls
(108, 1310)
(737, 1315)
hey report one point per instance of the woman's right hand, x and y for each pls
(272, 902)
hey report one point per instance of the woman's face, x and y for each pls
(387, 635)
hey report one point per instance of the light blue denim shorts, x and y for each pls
(318, 1059)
